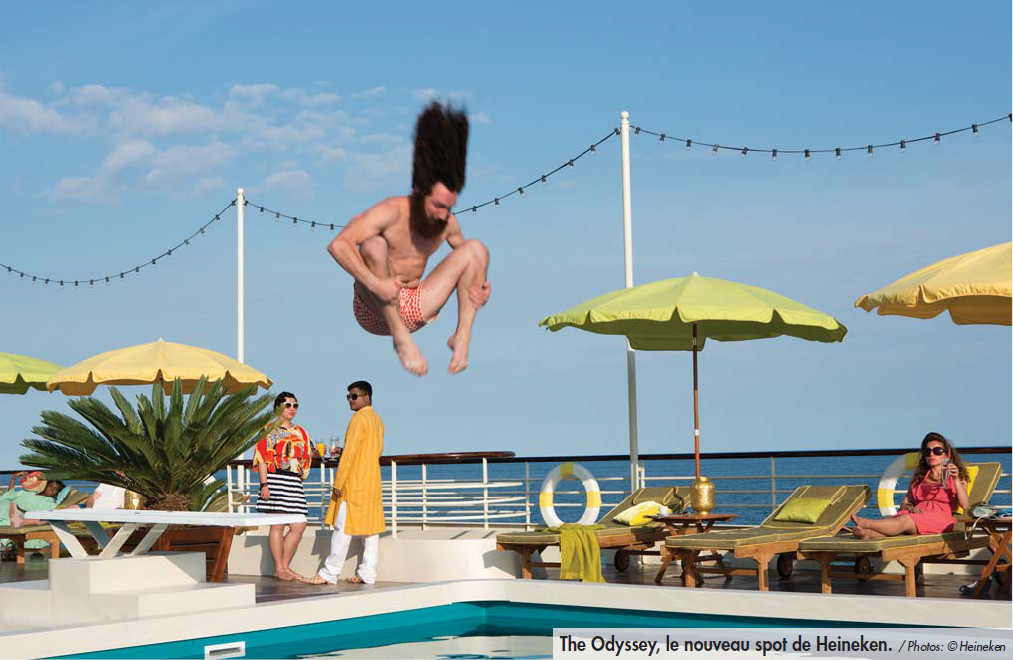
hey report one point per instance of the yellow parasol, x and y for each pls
(157, 362)
(19, 372)
(975, 287)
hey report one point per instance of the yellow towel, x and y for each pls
(581, 557)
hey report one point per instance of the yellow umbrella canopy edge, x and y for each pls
(156, 362)
(20, 372)
(975, 287)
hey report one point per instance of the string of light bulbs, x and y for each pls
(117, 275)
(519, 190)
(838, 152)
(495, 201)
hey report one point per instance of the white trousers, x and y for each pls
(339, 552)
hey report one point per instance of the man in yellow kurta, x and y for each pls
(356, 507)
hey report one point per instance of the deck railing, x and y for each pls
(497, 488)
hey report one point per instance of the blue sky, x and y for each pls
(125, 127)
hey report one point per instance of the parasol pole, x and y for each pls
(631, 363)
(696, 410)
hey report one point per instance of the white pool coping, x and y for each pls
(830, 608)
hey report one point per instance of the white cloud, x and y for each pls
(169, 116)
(298, 181)
(370, 172)
(321, 98)
(288, 134)
(29, 115)
(211, 184)
(180, 162)
(57, 87)
(427, 94)
(369, 93)
(479, 118)
(129, 154)
(255, 92)
(326, 153)
(81, 189)
(97, 95)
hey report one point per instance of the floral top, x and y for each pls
(285, 449)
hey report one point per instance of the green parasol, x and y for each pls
(681, 314)
(19, 372)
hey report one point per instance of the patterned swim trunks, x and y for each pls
(409, 305)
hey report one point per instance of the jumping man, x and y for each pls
(386, 248)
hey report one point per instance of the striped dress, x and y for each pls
(287, 455)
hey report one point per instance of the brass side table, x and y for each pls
(691, 523)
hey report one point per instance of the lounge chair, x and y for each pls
(911, 550)
(19, 535)
(772, 537)
(625, 539)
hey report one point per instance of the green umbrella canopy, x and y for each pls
(660, 316)
(666, 315)
(19, 372)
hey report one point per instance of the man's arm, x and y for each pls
(353, 436)
(345, 247)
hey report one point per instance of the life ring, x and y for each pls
(888, 482)
(592, 495)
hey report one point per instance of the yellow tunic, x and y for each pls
(358, 476)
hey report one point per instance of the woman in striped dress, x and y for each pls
(282, 458)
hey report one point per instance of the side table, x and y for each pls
(691, 523)
(1000, 531)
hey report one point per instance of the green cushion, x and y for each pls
(803, 509)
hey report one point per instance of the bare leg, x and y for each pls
(290, 544)
(274, 542)
(894, 526)
(374, 254)
(463, 269)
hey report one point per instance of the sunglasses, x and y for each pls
(938, 451)
(289, 404)
(353, 396)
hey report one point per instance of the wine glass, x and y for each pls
(335, 447)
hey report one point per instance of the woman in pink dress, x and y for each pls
(938, 487)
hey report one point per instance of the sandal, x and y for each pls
(316, 579)
(355, 579)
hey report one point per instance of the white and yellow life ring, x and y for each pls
(888, 482)
(592, 503)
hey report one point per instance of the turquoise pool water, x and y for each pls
(491, 619)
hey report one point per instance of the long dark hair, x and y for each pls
(923, 468)
(441, 148)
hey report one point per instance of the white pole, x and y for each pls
(240, 207)
(631, 361)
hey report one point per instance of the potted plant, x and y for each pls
(166, 449)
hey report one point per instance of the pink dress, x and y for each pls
(937, 503)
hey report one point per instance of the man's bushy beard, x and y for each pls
(424, 226)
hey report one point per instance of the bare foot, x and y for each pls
(411, 357)
(859, 521)
(459, 361)
(859, 532)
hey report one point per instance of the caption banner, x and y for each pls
(640, 643)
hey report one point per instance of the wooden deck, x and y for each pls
(270, 589)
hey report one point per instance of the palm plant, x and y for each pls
(164, 451)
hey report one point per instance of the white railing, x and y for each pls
(512, 500)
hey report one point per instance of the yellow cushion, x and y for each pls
(638, 513)
(803, 509)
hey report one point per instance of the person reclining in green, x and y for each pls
(35, 494)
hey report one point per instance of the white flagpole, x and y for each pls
(631, 362)
(240, 283)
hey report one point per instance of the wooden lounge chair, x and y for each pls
(772, 537)
(627, 540)
(911, 550)
(19, 535)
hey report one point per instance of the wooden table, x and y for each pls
(691, 523)
(1000, 531)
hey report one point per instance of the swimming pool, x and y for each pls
(513, 629)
